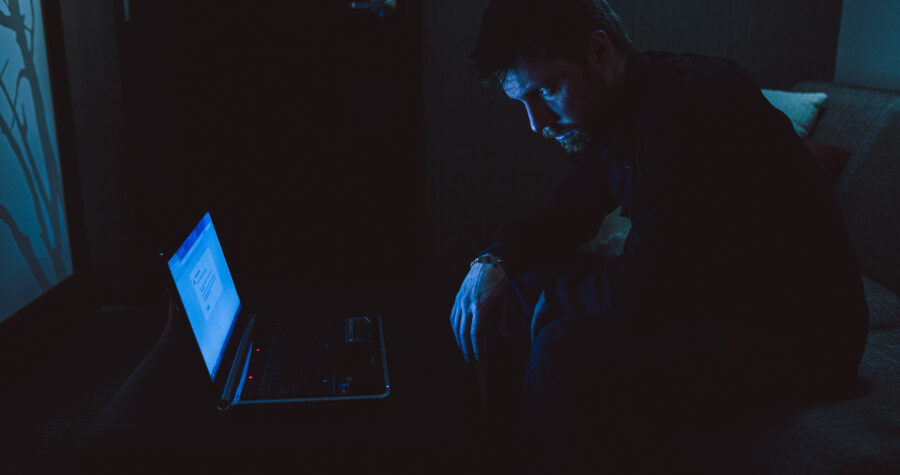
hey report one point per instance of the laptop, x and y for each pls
(256, 360)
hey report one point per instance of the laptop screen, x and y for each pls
(206, 290)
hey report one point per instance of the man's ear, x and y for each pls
(598, 51)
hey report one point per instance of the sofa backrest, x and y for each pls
(867, 123)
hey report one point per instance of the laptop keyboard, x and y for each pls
(299, 363)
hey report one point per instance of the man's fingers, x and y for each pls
(460, 318)
(465, 328)
(475, 307)
(475, 335)
(460, 323)
(455, 321)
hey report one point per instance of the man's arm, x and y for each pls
(572, 217)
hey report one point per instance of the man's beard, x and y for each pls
(574, 142)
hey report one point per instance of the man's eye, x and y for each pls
(544, 91)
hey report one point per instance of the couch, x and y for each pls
(859, 435)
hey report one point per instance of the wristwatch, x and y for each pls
(486, 259)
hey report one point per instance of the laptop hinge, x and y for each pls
(237, 366)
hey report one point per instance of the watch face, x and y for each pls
(486, 259)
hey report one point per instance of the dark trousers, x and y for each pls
(598, 396)
(595, 397)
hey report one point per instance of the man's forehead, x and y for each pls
(526, 74)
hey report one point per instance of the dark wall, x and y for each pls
(483, 166)
(91, 42)
(781, 42)
(295, 123)
(335, 139)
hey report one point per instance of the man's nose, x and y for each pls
(540, 116)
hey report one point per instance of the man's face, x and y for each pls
(564, 101)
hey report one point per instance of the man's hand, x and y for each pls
(478, 308)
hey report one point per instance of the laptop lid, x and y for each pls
(207, 292)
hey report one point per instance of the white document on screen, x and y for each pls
(206, 283)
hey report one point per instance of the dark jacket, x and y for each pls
(734, 226)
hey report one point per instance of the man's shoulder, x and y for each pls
(677, 83)
(666, 70)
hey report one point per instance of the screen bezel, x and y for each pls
(28, 336)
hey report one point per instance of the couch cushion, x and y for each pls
(852, 436)
(830, 157)
(852, 118)
(801, 107)
(832, 437)
(866, 122)
(872, 208)
(884, 305)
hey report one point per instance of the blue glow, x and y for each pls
(207, 291)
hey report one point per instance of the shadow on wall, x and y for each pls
(31, 195)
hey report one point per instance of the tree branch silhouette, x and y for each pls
(29, 73)
(33, 26)
(30, 179)
(5, 19)
(25, 246)
(22, 127)
(15, 21)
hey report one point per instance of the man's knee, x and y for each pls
(568, 356)
(559, 338)
(577, 340)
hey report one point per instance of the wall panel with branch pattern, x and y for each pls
(34, 242)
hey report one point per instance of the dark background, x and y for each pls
(351, 151)
(352, 147)
(295, 123)
(364, 147)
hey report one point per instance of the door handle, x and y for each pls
(379, 7)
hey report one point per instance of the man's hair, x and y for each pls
(540, 29)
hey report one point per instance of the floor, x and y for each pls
(46, 414)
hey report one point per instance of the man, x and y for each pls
(736, 286)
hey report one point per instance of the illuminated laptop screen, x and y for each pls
(206, 290)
